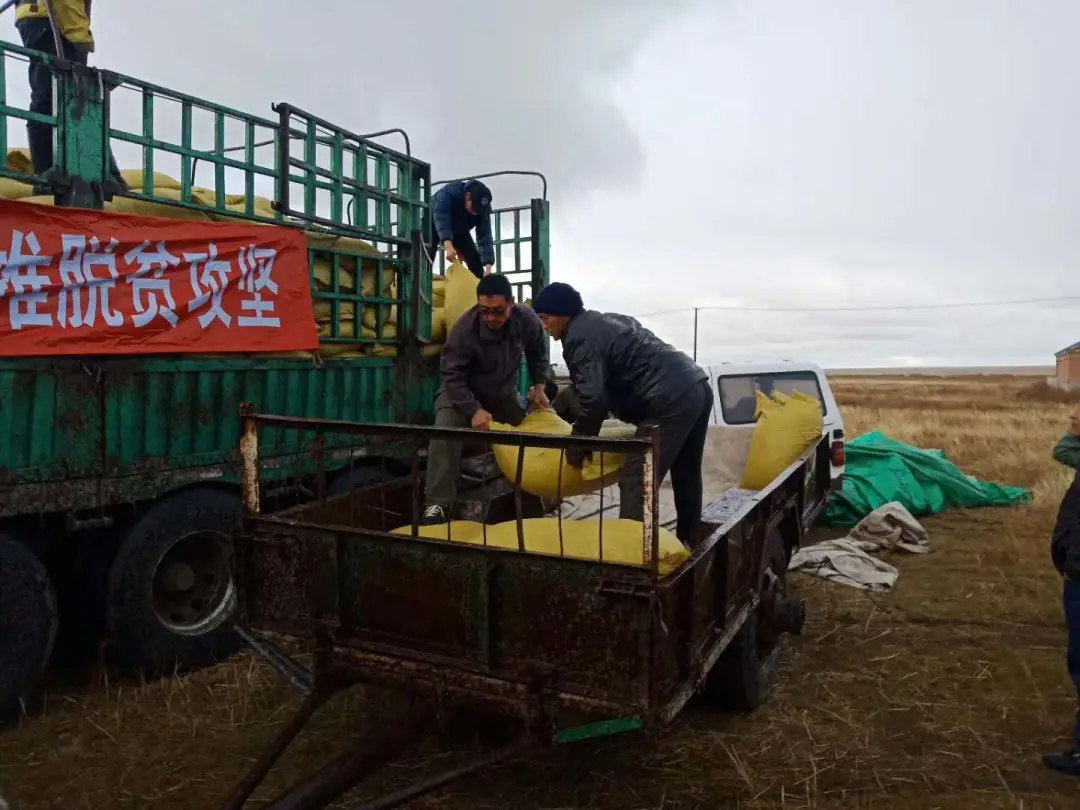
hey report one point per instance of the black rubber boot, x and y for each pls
(1067, 762)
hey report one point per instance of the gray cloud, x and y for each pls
(751, 152)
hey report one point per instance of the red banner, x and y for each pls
(77, 281)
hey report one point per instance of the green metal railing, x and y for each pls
(351, 185)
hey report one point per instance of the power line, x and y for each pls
(896, 308)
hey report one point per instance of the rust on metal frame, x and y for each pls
(249, 458)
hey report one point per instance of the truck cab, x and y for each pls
(735, 388)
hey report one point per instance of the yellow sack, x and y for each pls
(438, 325)
(127, 205)
(786, 427)
(541, 475)
(432, 350)
(438, 291)
(460, 292)
(459, 531)
(623, 539)
(15, 189)
(19, 160)
(134, 178)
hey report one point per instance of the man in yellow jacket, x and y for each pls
(73, 21)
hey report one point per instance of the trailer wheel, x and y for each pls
(29, 618)
(746, 673)
(170, 593)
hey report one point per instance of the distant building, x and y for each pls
(1068, 367)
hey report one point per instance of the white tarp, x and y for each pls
(888, 528)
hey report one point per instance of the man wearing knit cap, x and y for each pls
(617, 365)
(481, 361)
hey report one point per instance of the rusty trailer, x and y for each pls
(564, 648)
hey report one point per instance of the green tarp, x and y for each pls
(879, 469)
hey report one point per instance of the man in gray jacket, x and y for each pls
(480, 364)
(617, 365)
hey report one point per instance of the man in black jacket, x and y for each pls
(618, 365)
(480, 365)
(1065, 553)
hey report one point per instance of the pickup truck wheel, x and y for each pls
(746, 673)
(170, 593)
(29, 617)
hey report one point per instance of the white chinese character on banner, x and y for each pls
(145, 290)
(256, 265)
(20, 280)
(77, 276)
(209, 285)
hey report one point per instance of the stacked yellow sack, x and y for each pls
(786, 427)
(18, 161)
(545, 472)
(622, 539)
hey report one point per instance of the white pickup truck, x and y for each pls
(727, 446)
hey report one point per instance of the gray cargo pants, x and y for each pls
(682, 432)
(444, 458)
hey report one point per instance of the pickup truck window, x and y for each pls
(738, 393)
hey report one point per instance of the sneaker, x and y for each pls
(1067, 763)
(433, 515)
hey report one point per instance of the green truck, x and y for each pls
(119, 475)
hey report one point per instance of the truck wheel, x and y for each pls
(170, 593)
(29, 617)
(746, 673)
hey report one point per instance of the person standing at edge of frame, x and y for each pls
(456, 209)
(73, 22)
(1065, 552)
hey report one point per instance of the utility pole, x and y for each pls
(695, 332)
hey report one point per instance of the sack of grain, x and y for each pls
(623, 539)
(545, 471)
(786, 427)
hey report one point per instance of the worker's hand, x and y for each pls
(450, 250)
(577, 456)
(481, 420)
(538, 398)
(488, 269)
(1072, 563)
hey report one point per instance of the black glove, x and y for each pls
(577, 456)
(1072, 563)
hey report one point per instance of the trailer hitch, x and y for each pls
(301, 678)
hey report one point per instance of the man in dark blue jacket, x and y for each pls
(456, 209)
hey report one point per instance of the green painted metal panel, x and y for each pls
(50, 418)
(176, 413)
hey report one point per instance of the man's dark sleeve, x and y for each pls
(440, 212)
(536, 350)
(456, 356)
(587, 377)
(1067, 451)
(484, 242)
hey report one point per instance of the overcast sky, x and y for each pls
(756, 154)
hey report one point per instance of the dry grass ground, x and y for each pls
(941, 694)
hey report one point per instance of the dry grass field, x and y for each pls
(940, 694)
